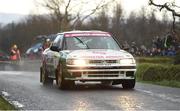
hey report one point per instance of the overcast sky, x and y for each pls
(28, 6)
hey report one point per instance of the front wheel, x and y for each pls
(61, 82)
(44, 77)
(129, 84)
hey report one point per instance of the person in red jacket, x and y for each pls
(15, 53)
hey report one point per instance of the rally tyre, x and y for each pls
(128, 84)
(61, 82)
(44, 77)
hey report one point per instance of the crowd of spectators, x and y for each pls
(160, 46)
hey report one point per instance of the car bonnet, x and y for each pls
(99, 54)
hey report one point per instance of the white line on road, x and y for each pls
(163, 96)
(6, 96)
(11, 72)
(17, 104)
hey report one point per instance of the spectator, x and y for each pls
(15, 53)
(46, 44)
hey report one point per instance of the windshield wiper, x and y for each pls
(82, 42)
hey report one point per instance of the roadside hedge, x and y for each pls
(158, 72)
(155, 60)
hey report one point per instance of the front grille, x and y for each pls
(103, 75)
(109, 67)
(103, 72)
(103, 61)
(99, 74)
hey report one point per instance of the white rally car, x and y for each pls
(87, 56)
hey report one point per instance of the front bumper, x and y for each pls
(98, 73)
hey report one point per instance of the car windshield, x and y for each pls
(77, 43)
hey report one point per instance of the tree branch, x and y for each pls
(151, 2)
(168, 8)
(99, 6)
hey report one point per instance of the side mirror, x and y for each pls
(126, 49)
(54, 48)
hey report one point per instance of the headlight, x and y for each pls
(127, 61)
(79, 62)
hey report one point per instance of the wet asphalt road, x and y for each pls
(24, 87)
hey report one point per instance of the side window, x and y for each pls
(58, 41)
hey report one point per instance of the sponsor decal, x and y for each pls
(103, 57)
(87, 34)
(113, 57)
(93, 57)
(97, 52)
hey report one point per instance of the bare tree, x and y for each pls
(72, 12)
(116, 21)
(101, 21)
(56, 7)
(169, 6)
(173, 8)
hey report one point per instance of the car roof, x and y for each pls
(83, 31)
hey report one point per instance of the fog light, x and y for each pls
(127, 61)
(130, 74)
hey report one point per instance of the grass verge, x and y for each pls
(4, 105)
(175, 84)
(158, 70)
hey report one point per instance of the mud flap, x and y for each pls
(41, 74)
(116, 82)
